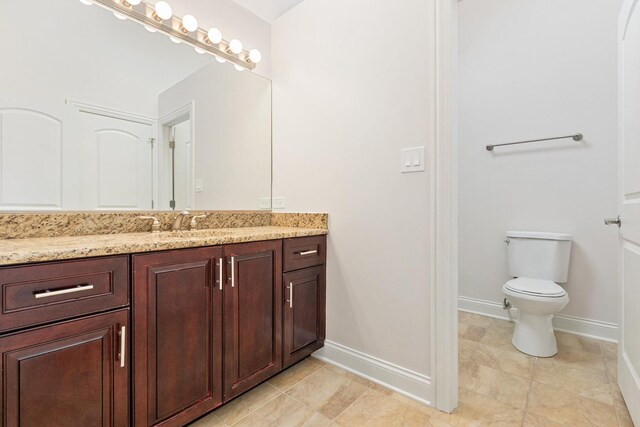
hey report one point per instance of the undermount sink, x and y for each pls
(213, 232)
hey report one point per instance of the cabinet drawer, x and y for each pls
(40, 293)
(304, 252)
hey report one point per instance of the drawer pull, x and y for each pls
(315, 251)
(220, 273)
(233, 271)
(47, 293)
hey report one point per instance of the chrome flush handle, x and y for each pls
(613, 221)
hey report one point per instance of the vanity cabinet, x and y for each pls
(177, 338)
(304, 298)
(253, 315)
(69, 374)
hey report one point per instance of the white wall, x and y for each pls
(532, 69)
(350, 90)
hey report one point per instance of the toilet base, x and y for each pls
(534, 335)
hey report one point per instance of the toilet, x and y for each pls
(538, 261)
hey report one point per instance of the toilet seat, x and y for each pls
(535, 287)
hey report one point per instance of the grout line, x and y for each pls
(259, 407)
(533, 375)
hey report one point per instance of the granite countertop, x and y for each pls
(20, 251)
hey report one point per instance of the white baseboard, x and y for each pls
(561, 322)
(404, 381)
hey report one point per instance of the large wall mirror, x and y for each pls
(98, 113)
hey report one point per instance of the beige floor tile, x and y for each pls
(284, 411)
(247, 403)
(355, 378)
(507, 360)
(567, 408)
(405, 400)
(611, 369)
(621, 407)
(328, 391)
(498, 336)
(478, 410)
(210, 420)
(506, 388)
(470, 332)
(474, 319)
(624, 419)
(570, 357)
(580, 343)
(437, 423)
(531, 420)
(293, 375)
(377, 409)
(466, 349)
(503, 324)
(593, 384)
(609, 350)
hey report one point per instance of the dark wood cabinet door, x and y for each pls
(177, 311)
(304, 313)
(252, 315)
(67, 374)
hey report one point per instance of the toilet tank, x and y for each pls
(539, 255)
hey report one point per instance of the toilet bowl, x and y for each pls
(537, 301)
(538, 262)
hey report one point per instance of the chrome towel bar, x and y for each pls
(576, 137)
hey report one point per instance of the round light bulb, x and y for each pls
(150, 29)
(255, 56)
(235, 46)
(163, 10)
(214, 35)
(239, 68)
(175, 40)
(120, 16)
(134, 2)
(220, 60)
(86, 2)
(200, 50)
(190, 23)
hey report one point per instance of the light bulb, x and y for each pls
(175, 40)
(238, 68)
(235, 46)
(220, 60)
(200, 50)
(150, 29)
(86, 2)
(255, 56)
(163, 10)
(189, 23)
(120, 16)
(214, 35)
(134, 2)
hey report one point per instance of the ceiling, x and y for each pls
(268, 10)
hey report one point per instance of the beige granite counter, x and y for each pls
(20, 251)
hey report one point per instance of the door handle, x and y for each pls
(123, 345)
(233, 271)
(613, 221)
(220, 273)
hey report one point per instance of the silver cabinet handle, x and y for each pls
(123, 345)
(233, 271)
(315, 251)
(220, 273)
(613, 221)
(48, 293)
(290, 294)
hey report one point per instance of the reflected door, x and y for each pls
(118, 173)
(629, 344)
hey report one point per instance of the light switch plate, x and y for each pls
(278, 203)
(412, 160)
(199, 185)
(265, 203)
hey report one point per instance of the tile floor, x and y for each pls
(499, 386)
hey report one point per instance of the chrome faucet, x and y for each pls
(177, 224)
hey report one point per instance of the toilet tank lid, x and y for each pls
(538, 235)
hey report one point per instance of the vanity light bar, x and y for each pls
(161, 19)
